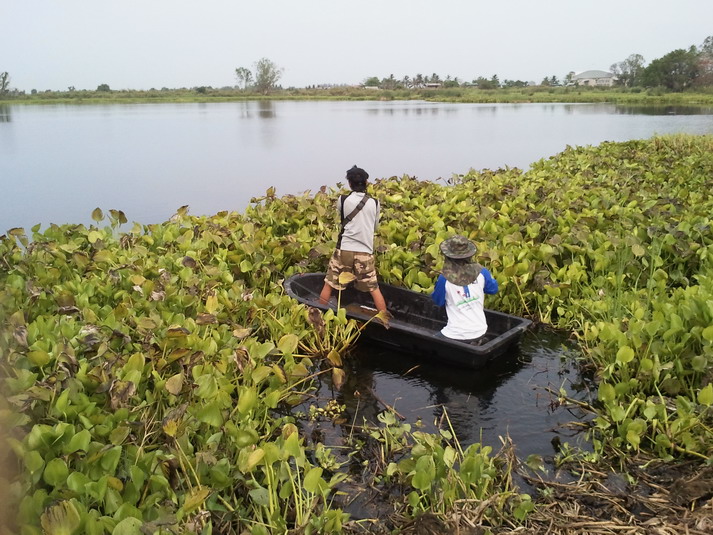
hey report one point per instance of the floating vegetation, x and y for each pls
(150, 375)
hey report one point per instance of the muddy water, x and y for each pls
(515, 397)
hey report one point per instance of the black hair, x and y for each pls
(357, 177)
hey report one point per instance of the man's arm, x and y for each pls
(491, 285)
(378, 215)
(439, 291)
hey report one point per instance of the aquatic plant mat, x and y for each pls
(150, 377)
(648, 497)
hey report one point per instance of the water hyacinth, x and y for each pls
(148, 373)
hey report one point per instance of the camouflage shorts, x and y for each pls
(362, 265)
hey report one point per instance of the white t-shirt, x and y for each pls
(358, 235)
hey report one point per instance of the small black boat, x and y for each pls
(415, 321)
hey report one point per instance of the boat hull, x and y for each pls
(415, 323)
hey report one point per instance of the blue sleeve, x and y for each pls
(439, 291)
(491, 285)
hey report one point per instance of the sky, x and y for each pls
(143, 44)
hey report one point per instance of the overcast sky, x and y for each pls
(140, 44)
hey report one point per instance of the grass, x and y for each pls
(634, 96)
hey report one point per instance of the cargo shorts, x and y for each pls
(362, 265)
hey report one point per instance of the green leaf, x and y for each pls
(110, 460)
(136, 362)
(118, 435)
(345, 277)
(195, 499)
(211, 304)
(625, 355)
(313, 481)
(535, 462)
(292, 447)
(56, 472)
(94, 236)
(247, 460)
(247, 400)
(38, 358)
(128, 526)
(288, 344)
(211, 415)
(260, 496)
(97, 215)
(77, 482)
(705, 395)
(80, 441)
(607, 393)
(34, 461)
(207, 386)
(633, 438)
(708, 333)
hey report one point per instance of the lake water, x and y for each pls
(59, 162)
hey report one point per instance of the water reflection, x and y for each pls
(511, 397)
(663, 110)
(5, 113)
(266, 109)
(413, 109)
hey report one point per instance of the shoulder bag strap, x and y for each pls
(351, 216)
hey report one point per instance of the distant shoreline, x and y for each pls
(538, 94)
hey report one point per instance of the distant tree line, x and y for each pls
(678, 70)
(419, 81)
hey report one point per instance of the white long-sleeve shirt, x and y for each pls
(464, 305)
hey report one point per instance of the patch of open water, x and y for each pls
(515, 397)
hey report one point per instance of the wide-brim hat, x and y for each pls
(460, 272)
(458, 247)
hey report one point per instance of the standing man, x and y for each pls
(354, 253)
(461, 288)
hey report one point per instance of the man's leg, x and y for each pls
(325, 294)
(379, 302)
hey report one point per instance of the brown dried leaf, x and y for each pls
(120, 393)
(241, 358)
(206, 319)
(20, 335)
(314, 315)
(176, 331)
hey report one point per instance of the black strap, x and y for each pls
(351, 216)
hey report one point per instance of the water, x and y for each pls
(515, 397)
(59, 162)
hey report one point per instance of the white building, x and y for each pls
(594, 78)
